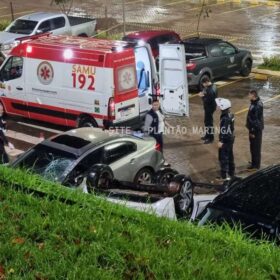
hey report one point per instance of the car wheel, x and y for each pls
(200, 86)
(100, 177)
(184, 199)
(164, 176)
(246, 68)
(87, 122)
(144, 176)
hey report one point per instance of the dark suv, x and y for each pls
(154, 38)
(214, 58)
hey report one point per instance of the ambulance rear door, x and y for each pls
(173, 80)
(12, 86)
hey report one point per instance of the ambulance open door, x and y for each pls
(173, 80)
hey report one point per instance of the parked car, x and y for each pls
(71, 154)
(154, 38)
(253, 202)
(170, 195)
(42, 22)
(214, 58)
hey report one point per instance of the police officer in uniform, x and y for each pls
(226, 139)
(208, 96)
(255, 125)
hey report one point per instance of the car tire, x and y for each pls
(246, 68)
(87, 122)
(144, 176)
(184, 198)
(200, 86)
(99, 177)
(164, 176)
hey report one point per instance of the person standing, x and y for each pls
(226, 139)
(154, 123)
(208, 96)
(255, 126)
(3, 139)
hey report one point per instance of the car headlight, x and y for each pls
(9, 46)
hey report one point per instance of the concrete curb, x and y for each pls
(258, 2)
(266, 72)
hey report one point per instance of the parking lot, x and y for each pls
(186, 152)
(250, 24)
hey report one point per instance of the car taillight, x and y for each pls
(111, 108)
(191, 66)
(157, 147)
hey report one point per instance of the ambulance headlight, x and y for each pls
(68, 54)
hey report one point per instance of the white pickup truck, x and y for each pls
(41, 22)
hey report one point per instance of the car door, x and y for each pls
(174, 94)
(144, 77)
(229, 52)
(120, 157)
(217, 62)
(58, 26)
(44, 27)
(12, 86)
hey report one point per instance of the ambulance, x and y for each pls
(76, 82)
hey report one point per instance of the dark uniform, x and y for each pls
(152, 127)
(255, 125)
(3, 141)
(209, 105)
(226, 137)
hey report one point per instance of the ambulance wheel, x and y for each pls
(87, 122)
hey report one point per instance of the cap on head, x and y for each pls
(223, 103)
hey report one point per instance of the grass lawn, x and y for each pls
(70, 235)
(271, 63)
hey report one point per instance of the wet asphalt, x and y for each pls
(187, 153)
(255, 27)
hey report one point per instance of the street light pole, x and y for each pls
(123, 11)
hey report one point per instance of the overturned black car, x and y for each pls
(253, 203)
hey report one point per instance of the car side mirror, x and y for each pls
(237, 50)
(39, 31)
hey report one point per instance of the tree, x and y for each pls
(64, 5)
(205, 11)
